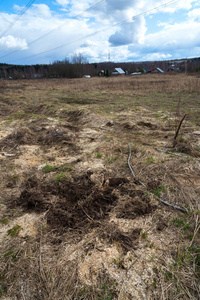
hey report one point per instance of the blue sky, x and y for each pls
(48, 30)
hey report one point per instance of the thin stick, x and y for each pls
(197, 227)
(179, 127)
(130, 165)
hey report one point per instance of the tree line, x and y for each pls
(77, 65)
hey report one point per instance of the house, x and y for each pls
(118, 71)
(156, 70)
(36, 76)
(102, 73)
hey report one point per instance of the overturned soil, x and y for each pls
(77, 203)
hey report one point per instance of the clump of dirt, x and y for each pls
(128, 126)
(74, 203)
(153, 184)
(161, 225)
(132, 208)
(147, 124)
(135, 204)
(115, 182)
(37, 135)
(21, 136)
(52, 136)
(127, 240)
(110, 124)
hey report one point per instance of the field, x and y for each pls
(76, 220)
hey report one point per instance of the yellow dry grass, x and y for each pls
(66, 141)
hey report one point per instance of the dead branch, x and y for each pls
(179, 127)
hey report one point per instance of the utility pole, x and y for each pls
(186, 66)
(108, 55)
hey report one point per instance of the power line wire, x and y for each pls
(98, 4)
(104, 29)
(17, 17)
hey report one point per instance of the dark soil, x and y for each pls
(53, 136)
(128, 126)
(147, 124)
(132, 208)
(112, 234)
(70, 203)
(78, 205)
(161, 225)
(115, 182)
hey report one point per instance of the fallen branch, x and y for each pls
(158, 198)
(169, 152)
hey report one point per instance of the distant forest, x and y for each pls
(77, 66)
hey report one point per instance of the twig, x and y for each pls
(130, 165)
(168, 204)
(7, 154)
(22, 293)
(159, 199)
(169, 152)
(197, 227)
(87, 215)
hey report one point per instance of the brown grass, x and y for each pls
(74, 223)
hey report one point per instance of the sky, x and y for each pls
(100, 30)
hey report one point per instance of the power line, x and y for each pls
(17, 17)
(58, 27)
(104, 29)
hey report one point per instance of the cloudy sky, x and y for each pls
(125, 30)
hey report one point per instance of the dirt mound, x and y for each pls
(53, 136)
(128, 125)
(132, 208)
(115, 182)
(113, 234)
(43, 136)
(147, 124)
(137, 203)
(21, 136)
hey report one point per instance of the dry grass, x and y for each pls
(74, 224)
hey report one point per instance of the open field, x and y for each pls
(75, 223)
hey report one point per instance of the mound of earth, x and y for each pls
(21, 136)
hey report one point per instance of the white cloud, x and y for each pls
(156, 56)
(129, 33)
(39, 10)
(11, 42)
(63, 2)
(132, 39)
(194, 14)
